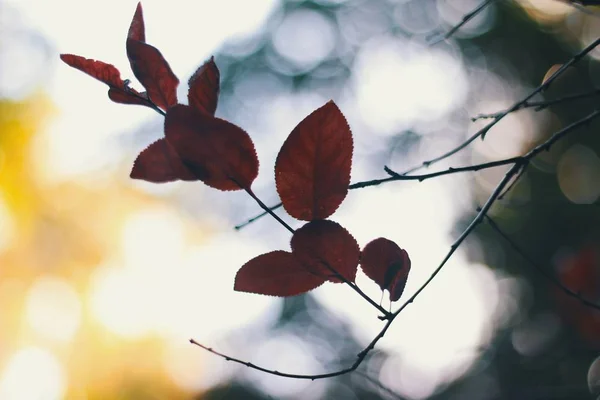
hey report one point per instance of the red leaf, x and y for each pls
(160, 163)
(218, 152)
(129, 96)
(137, 30)
(387, 265)
(204, 88)
(154, 73)
(102, 71)
(312, 171)
(277, 273)
(325, 245)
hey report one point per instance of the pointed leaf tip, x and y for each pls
(203, 92)
(277, 273)
(312, 170)
(137, 29)
(386, 264)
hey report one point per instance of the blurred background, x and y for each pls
(103, 280)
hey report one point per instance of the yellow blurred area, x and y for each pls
(74, 306)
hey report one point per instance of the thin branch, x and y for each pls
(274, 372)
(466, 18)
(259, 216)
(541, 105)
(550, 277)
(377, 383)
(394, 176)
(481, 133)
(269, 211)
(513, 183)
(520, 163)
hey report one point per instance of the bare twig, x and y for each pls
(541, 105)
(480, 133)
(394, 176)
(466, 18)
(513, 183)
(549, 276)
(269, 211)
(483, 131)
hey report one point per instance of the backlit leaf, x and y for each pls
(129, 96)
(277, 273)
(110, 75)
(325, 245)
(203, 90)
(160, 163)
(153, 72)
(218, 152)
(386, 264)
(102, 71)
(312, 171)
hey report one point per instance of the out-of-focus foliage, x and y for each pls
(90, 308)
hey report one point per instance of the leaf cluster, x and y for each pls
(312, 172)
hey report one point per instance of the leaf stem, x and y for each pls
(269, 211)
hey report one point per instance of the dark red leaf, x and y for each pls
(325, 245)
(137, 30)
(387, 265)
(160, 163)
(153, 72)
(102, 71)
(129, 96)
(312, 171)
(218, 152)
(277, 273)
(204, 88)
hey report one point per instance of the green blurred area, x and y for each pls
(541, 349)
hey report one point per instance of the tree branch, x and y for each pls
(541, 105)
(519, 164)
(466, 18)
(481, 133)
(394, 176)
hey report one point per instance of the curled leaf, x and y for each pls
(327, 249)
(386, 264)
(277, 273)
(312, 170)
(219, 153)
(203, 90)
(154, 73)
(160, 163)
